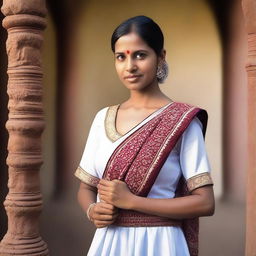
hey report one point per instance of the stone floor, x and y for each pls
(65, 229)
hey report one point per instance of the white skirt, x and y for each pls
(139, 241)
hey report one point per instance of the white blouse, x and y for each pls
(188, 158)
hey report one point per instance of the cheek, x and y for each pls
(150, 64)
(118, 69)
(151, 68)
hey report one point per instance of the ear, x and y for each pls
(162, 55)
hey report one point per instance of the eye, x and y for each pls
(140, 55)
(120, 57)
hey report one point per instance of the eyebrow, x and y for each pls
(131, 52)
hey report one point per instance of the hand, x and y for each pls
(103, 214)
(115, 192)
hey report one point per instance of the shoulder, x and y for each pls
(195, 127)
(98, 117)
(103, 110)
(188, 112)
(186, 106)
(102, 113)
(192, 137)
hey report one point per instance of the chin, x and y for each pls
(135, 86)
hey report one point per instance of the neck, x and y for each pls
(151, 96)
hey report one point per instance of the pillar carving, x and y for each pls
(24, 22)
(249, 9)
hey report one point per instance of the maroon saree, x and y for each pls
(139, 158)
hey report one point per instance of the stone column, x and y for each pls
(249, 9)
(25, 22)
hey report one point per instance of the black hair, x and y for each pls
(145, 27)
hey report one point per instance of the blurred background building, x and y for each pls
(206, 46)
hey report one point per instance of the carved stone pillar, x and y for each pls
(249, 9)
(25, 23)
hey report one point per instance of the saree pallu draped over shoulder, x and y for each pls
(138, 160)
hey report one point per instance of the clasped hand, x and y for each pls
(115, 192)
(113, 195)
(103, 214)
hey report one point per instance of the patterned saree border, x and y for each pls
(199, 180)
(137, 219)
(109, 123)
(87, 178)
(165, 144)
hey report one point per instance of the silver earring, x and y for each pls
(162, 72)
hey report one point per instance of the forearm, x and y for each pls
(101, 213)
(86, 195)
(190, 206)
(199, 203)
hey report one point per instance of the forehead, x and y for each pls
(131, 42)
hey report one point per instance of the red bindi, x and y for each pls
(128, 52)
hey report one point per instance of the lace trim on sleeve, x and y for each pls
(87, 178)
(199, 180)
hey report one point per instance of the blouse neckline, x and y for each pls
(110, 122)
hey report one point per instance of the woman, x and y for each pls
(145, 175)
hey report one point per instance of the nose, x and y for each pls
(131, 64)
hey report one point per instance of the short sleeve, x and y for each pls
(194, 161)
(86, 170)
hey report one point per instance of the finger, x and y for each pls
(101, 226)
(104, 223)
(104, 217)
(106, 199)
(111, 210)
(104, 208)
(104, 193)
(105, 182)
(107, 206)
(117, 181)
(104, 211)
(104, 187)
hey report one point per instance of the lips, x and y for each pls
(132, 77)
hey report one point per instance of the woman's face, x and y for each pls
(135, 62)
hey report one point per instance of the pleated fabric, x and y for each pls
(139, 241)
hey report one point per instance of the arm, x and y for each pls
(199, 203)
(102, 214)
